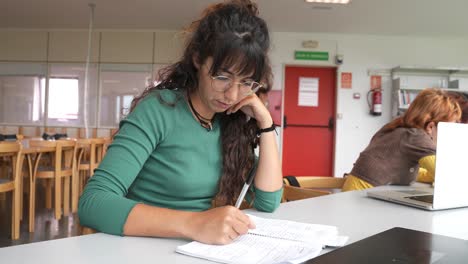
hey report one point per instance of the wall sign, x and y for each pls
(375, 82)
(346, 80)
(311, 55)
(308, 91)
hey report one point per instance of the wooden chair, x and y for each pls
(9, 130)
(107, 142)
(53, 130)
(87, 230)
(113, 131)
(63, 166)
(89, 155)
(29, 132)
(12, 151)
(298, 188)
(91, 133)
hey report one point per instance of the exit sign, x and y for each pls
(311, 55)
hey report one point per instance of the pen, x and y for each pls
(247, 184)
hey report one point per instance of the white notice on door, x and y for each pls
(308, 91)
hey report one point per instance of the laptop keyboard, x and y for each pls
(423, 198)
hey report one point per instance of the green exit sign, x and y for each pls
(311, 55)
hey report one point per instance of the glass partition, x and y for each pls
(22, 93)
(120, 83)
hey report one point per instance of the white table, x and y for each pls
(355, 215)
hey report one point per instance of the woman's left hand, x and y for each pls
(253, 107)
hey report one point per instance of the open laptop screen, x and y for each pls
(451, 158)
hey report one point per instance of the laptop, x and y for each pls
(399, 245)
(451, 176)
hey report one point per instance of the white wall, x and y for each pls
(108, 46)
(361, 54)
(23, 45)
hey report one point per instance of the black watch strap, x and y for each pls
(268, 129)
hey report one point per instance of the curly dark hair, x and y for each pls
(234, 36)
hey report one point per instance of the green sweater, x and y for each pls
(162, 157)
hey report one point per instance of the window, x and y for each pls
(22, 87)
(68, 102)
(120, 83)
(26, 95)
(63, 99)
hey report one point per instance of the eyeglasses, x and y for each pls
(223, 83)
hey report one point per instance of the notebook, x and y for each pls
(451, 176)
(272, 241)
(399, 245)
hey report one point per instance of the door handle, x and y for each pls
(285, 123)
(331, 123)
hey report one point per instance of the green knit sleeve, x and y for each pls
(103, 204)
(267, 201)
(264, 201)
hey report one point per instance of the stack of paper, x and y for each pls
(272, 241)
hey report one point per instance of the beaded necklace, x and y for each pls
(204, 122)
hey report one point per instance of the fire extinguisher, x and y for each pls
(375, 101)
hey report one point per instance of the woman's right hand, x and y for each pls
(219, 225)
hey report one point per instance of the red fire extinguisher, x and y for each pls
(375, 103)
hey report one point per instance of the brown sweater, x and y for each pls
(392, 157)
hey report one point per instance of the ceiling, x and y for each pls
(384, 17)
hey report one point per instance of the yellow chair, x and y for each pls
(298, 188)
(11, 151)
(89, 155)
(63, 166)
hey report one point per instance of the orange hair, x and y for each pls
(431, 105)
(462, 100)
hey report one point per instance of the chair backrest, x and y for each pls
(96, 150)
(29, 132)
(64, 151)
(54, 130)
(67, 148)
(321, 182)
(291, 193)
(9, 130)
(84, 133)
(297, 188)
(12, 150)
(107, 142)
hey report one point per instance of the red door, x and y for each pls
(309, 115)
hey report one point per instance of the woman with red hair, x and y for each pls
(397, 150)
